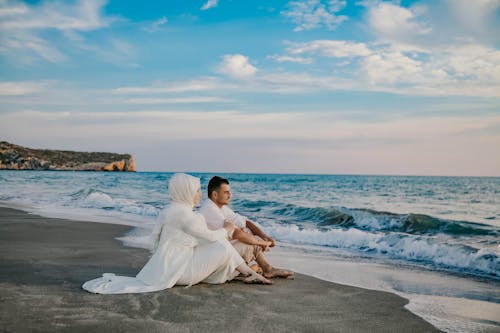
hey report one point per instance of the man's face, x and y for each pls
(223, 195)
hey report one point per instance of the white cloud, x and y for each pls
(473, 62)
(163, 20)
(12, 9)
(289, 83)
(377, 64)
(368, 3)
(156, 25)
(467, 70)
(210, 4)
(392, 22)
(236, 66)
(285, 58)
(452, 70)
(22, 26)
(82, 16)
(178, 100)
(392, 67)
(313, 14)
(21, 88)
(117, 52)
(475, 21)
(330, 48)
(473, 14)
(200, 84)
(416, 50)
(16, 45)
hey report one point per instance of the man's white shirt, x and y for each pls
(215, 216)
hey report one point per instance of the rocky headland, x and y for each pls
(14, 157)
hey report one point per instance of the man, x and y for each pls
(248, 239)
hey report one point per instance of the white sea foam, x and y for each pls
(104, 201)
(368, 220)
(98, 200)
(138, 237)
(400, 246)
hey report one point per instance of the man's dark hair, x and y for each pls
(215, 183)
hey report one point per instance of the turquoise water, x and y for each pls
(443, 223)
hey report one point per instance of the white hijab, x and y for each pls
(182, 188)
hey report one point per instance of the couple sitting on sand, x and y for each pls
(186, 251)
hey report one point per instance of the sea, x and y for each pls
(432, 240)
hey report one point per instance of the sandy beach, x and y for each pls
(45, 261)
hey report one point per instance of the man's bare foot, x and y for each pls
(257, 279)
(278, 273)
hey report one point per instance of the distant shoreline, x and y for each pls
(281, 174)
(63, 170)
(15, 157)
(276, 174)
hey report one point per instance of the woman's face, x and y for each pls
(197, 196)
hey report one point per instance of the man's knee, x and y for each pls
(237, 233)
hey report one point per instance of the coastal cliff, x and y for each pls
(14, 157)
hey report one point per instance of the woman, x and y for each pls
(186, 251)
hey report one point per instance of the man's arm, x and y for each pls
(257, 231)
(241, 222)
(247, 238)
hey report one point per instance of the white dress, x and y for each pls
(187, 253)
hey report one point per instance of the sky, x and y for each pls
(327, 87)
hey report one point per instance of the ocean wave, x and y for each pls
(418, 224)
(322, 216)
(372, 220)
(255, 203)
(92, 198)
(414, 248)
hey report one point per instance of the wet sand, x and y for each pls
(45, 261)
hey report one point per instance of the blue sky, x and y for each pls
(335, 87)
